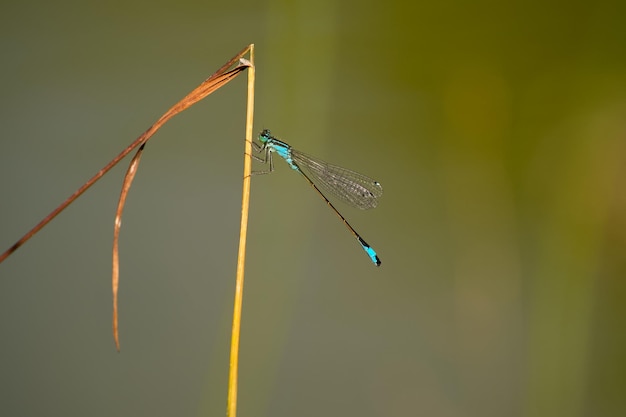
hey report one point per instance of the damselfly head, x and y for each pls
(265, 135)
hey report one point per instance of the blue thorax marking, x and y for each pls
(282, 149)
(278, 146)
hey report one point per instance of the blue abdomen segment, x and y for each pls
(370, 252)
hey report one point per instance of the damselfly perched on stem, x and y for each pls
(353, 188)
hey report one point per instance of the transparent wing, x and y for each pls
(353, 188)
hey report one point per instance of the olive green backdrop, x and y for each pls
(498, 131)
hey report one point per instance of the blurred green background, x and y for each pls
(498, 131)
